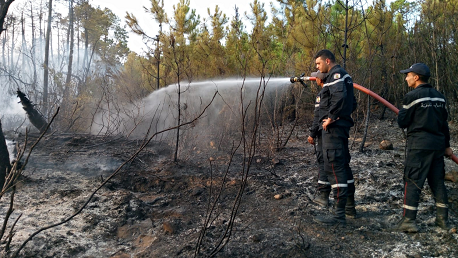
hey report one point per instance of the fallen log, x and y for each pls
(35, 117)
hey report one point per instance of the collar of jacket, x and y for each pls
(334, 69)
(424, 85)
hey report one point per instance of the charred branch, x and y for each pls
(116, 172)
(8, 213)
(18, 167)
(35, 117)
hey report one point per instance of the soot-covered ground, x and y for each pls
(158, 208)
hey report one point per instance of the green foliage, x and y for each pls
(382, 39)
(97, 24)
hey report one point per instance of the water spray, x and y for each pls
(303, 78)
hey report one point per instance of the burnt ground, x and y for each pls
(157, 208)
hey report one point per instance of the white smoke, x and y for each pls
(159, 110)
(10, 105)
(11, 113)
(12, 151)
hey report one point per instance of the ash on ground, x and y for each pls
(194, 208)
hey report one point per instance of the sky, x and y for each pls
(119, 7)
(137, 8)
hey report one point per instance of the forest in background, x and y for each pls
(76, 68)
(77, 58)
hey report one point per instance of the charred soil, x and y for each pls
(158, 208)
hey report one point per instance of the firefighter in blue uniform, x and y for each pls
(337, 102)
(428, 139)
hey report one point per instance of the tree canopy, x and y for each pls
(374, 41)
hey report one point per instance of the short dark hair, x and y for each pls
(326, 54)
(422, 77)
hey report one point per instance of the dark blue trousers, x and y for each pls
(419, 166)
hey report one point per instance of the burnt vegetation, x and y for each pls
(122, 154)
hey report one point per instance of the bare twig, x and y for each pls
(8, 213)
(12, 179)
(304, 245)
(11, 234)
(249, 149)
(15, 173)
(108, 179)
(211, 209)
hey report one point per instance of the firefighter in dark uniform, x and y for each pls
(324, 187)
(424, 115)
(337, 102)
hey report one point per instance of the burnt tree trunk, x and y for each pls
(34, 116)
(70, 42)
(5, 165)
(46, 62)
(4, 6)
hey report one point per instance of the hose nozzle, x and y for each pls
(296, 79)
(301, 79)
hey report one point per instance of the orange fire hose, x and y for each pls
(377, 97)
(382, 100)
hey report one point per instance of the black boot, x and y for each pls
(407, 225)
(331, 220)
(442, 218)
(350, 210)
(337, 219)
(322, 199)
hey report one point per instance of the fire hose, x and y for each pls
(301, 79)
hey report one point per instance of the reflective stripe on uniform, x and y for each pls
(336, 81)
(422, 100)
(410, 207)
(317, 105)
(323, 182)
(350, 181)
(441, 205)
(339, 185)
